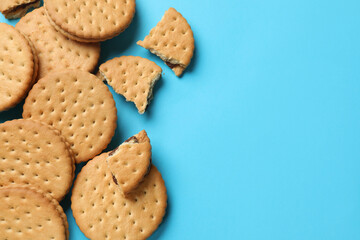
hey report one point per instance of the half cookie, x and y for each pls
(17, 8)
(90, 20)
(102, 212)
(172, 40)
(55, 51)
(18, 66)
(132, 77)
(130, 162)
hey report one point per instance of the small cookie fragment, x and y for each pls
(130, 162)
(90, 20)
(33, 154)
(26, 213)
(79, 105)
(172, 40)
(57, 52)
(102, 212)
(17, 8)
(132, 77)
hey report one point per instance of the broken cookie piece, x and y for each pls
(130, 162)
(172, 40)
(132, 77)
(17, 8)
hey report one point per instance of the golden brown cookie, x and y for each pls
(17, 66)
(33, 154)
(102, 212)
(172, 40)
(57, 52)
(130, 162)
(132, 77)
(90, 20)
(26, 213)
(79, 105)
(36, 59)
(17, 8)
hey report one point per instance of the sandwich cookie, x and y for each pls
(103, 212)
(132, 77)
(130, 162)
(172, 40)
(77, 104)
(26, 213)
(17, 8)
(18, 66)
(90, 20)
(33, 154)
(55, 51)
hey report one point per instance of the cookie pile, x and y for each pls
(69, 117)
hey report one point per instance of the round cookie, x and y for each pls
(55, 51)
(79, 105)
(33, 154)
(90, 20)
(26, 213)
(102, 212)
(17, 66)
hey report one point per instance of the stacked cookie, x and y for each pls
(69, 117)
(120, 195)
(36, 171)
(55, 51)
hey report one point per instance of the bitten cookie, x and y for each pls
(79, 105)
(102, 212)
(18, 66)
(17, 8)
(33, 154)
(57, 52)
(172, 40)
(29, 214)
(132, 77)
(130, 162)
(90, 20)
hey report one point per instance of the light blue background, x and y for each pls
(260, 137)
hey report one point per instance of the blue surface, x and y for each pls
(260, 137)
